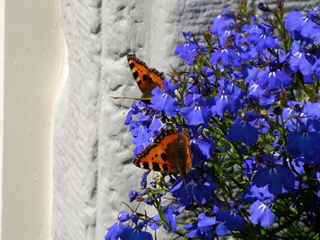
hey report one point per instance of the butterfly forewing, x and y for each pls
(147, 79)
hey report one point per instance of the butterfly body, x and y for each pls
(146, 78)
(169, 153)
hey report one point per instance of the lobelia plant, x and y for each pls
(251, 108)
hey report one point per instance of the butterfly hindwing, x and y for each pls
(169, 152)
(147, 79)
(154, 158)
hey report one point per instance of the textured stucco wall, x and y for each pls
(92, 167)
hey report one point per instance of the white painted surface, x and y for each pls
(33, 70)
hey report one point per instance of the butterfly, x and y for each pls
(169, 153)
(146, 78)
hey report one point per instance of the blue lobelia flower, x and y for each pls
(315, 69)
(307, 142)
(136, 234)
(115, 230)
(312, 109)
(149, 201)
(227, 56)
(143, 139)
(185, 49)
(260, 209)
(196, 115)
(250, 165)
(291, 112)
(273, 78)
(198, 187)
(222, 22)
(243, 130)
(170, 212)
(262, 40)
(300, 58)
(275, 177)
(162, 101)
(204, 229)
(253, 27)
(261, 213)
(243, 49)
(229, 98)
(133, 194)
(143, 182)
(256, 93)
(304, 24)
(231, 217)
(202, 148)
(133, 111)
(198, 112)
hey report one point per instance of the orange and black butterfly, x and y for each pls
(169, 153)
(146, 78)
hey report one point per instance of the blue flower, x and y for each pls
(242, 129)
(253, 28)
(250, 165)
(305, 141)
(275, 176)
(142, 139)
(184, 49)
(162, 101)
(143, 182)
(202, 149)
(273, 78)
(228, 99)
(231, 217)
(262, 40)
(261, 213)
(115, 230)
(193, 188)
(135, 234)
(133, 111)
(170, 212)
(256, 93)
(312, 109)
(204, 229)
(222, 22)
(227, 56)
(149, 201)
(300, 59)
(196, 115)
(304, 24)
(133, 194)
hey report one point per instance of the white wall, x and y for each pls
(33, 68)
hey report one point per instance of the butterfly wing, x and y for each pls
(155, 158)
(147, 79)
(156, 78)
(187, 149)
(177, 146)
(169, 152)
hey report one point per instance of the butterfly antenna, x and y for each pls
(124, 98)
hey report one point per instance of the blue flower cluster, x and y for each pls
(251, 106)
